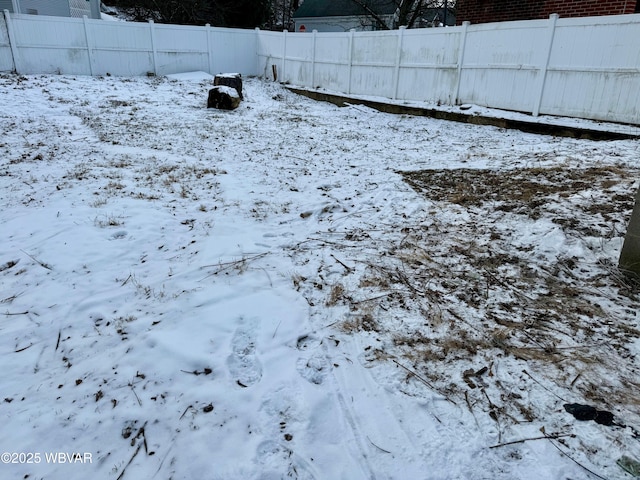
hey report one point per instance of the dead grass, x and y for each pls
(524, 191)
(447, 295)
(363, 321)
(335, 295)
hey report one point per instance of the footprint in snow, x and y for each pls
(119, 235)
(243, 363)
(279, 461)
(306, 342)
(313, 369)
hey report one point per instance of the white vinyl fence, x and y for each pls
(581, 67)
(38, 44)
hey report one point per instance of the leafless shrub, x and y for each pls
(80, 172)
(99, 202)
(108, 221)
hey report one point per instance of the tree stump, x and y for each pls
(223, 97)
(233, 80)
(630, 255)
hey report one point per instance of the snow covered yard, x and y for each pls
(294, 290)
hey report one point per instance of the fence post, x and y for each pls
(630, 255)
(258, 52)
(86, 36)
(553, 19)
(313, 60)
(396, 72)
(463, 47)
(15, 4)
(350, 65)
(12, 42)
(284, 55)
(209, 50)
(95, 9)
(154, 52)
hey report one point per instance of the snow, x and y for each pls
(190, 76)
(262, 294)
(232, 92)
(480, 111)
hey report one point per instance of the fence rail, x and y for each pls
(581, 67)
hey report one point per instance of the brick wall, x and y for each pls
(482, 11)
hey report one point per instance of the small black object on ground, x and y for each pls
(587, 412)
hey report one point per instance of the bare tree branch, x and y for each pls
(382, 24)
(408, 13)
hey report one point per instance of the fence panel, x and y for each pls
(502, 64)
(120, 48)
(233, 51)
(49, 44)
(298, 68)
(594, 69)
(373, 63)
(180, 48)
(6, 57)
(270, 48)
(332, 61)
(428, 65)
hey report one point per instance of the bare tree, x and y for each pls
(408, 13)
(281, 17)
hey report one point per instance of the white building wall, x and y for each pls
(60, 8)
(45, 7)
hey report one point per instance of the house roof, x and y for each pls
(344, 8)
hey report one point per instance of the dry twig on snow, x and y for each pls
(42, 264)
